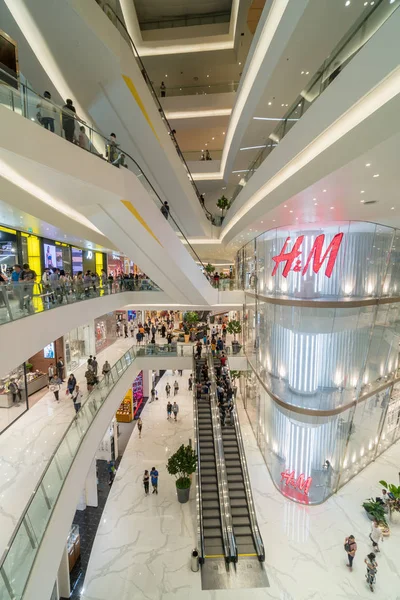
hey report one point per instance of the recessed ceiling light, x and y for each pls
(290, 211)
(307, 72)
(286, 104)
(362, 192)
(324, 190)
(376, 175)
(392, 208)
(365, 3)
(240, 63)
(224, 188)
(223, 133)
(269, 103)
(367, 164)
(372, 3)
(362, 201)
(262, 221)
(273, 220)
(347, 3)
(285, 206)
(302, 73)
(208, 76)
(297, 218)
(282, 105)
(332, 207)
(205, 144)
(213, 138)
(166, 75)
(315, 203)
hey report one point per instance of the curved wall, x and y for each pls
(322, 332)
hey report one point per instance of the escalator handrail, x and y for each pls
(223, 488)
(199, 496)
(158, 103)
(107, 141)
(247, 486)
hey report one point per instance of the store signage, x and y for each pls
(294, 260)
(89, 254)
(301, 483)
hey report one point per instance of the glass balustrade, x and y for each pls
(22, 299)
(63, 122)
(362, 31)
(203, 90)
(18, 558)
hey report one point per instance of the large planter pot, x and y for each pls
(395, 517)
(370, 517)
(235, 347)
(187, 336)
(183, 494)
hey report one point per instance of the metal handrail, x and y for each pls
(220, 462)
(199, 496)
(171, 130)
(247, 486)
(107, 141)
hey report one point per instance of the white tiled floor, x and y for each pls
(142, 549)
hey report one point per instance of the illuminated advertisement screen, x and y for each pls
(77, 260)
(52, 256)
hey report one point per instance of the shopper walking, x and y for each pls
(190, 382)
(15, 391)
(146, 480)
(60, 369)
(175, 410)
(165, 209)
(154, 480)
(372, 567)
(71, 383)
(376, 535)
(153, 394)
(68, 120)
(176, 388)
(140, 426)
(50, 372)
(95, 366)
(168, 390)
(47, 112)
(169, 410)
(350, 547)
(55, 388)
(90, 380)
(77, 398)
(106, 372)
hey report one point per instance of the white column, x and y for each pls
(91, 486)
(82, 501)
(147, 382)
(64, 587)
(115, 427)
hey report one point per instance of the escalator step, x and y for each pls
(235, 485)
(246, 539)
(232, 458)
(204, 444)
(242, 530)
(238, 503)
(214, 533)
(206, 451)
(208, 463)
(230, 444)
(213, 548)
(210, 504)
(240, 521)
(233, 470)
(210, 513)
(246, 548)
(210, 496)
(236, 494)
(210, 523)
(230, 450)
(239, 511)
(208, 479)
(208, 487)
(235, 478)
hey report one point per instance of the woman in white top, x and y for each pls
(47, 112)
(376, 535)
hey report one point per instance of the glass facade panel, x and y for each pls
(322, 339)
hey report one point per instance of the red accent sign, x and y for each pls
(293, 262)
(301, 483)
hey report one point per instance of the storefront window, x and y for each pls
(8, 250)
(13, 396)
(105, 331)
(79, 344)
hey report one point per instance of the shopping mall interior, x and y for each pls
(199, 299)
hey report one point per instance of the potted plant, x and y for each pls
(191, 318)
(235, 328)
(223, 204)
(182, 465)
(376, 512)
(393, 501)
(210, 269)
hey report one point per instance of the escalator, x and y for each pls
(228, 527)
(244, 523)
(214, 537)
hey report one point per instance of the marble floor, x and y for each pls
(143, 544)
(27, 445)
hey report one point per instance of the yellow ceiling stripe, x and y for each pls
(135, 213)
(135, 94)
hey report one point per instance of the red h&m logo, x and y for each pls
(293, 262)
(301, 483)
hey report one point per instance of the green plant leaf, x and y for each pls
(383, 484)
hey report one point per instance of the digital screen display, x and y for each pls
(77, 260)
(50, 260)
(48, 351)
